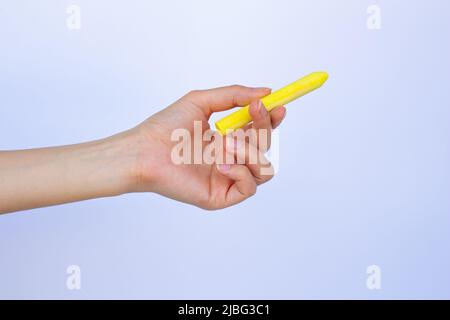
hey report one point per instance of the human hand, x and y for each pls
(209, 186)
(141, 159)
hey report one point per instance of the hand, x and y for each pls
(206, 186)
(140, 160)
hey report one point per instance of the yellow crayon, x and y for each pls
(280, 97)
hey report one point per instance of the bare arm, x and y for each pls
(48, 176)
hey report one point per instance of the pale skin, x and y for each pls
(138, 160)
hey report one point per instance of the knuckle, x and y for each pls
(209, 208)
(263, 178)
(266, 173)
(235, 86)
(193, 94)
(252, 190)
(210, 205)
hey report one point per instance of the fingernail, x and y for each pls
(261, 109)
(284, 114)
(281, 120)
(223, 167)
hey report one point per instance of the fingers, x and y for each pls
(244, 185)
(277, 115)
(247, 167)
(220, 99)
(255, 160)
(262, 122)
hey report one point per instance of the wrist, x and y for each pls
(134, 167)
(119, 156)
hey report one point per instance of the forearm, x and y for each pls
(49, 176)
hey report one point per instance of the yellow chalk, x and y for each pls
(280, 97)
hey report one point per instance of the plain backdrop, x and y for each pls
(364, 173)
